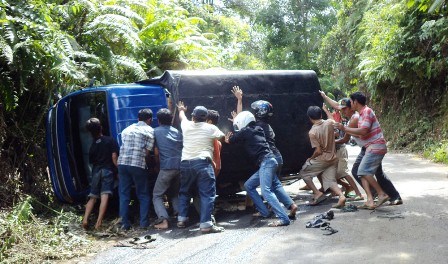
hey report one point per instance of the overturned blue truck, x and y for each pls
(290, 92)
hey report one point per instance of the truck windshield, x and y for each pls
(78, 110)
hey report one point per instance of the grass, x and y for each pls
(25, 238)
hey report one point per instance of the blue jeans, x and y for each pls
(197, 172)
(277, 186)
(381, 177)
(266, 177)
(129, 175)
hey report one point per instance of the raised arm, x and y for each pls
(329, 114)
(182, 108)
(330, 101)
(236, 90)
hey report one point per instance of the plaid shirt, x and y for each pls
(136, 140)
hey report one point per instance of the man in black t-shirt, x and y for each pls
(253, 139)
(103, 155)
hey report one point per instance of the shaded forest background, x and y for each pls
(394, 50)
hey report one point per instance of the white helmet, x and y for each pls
(242, 120)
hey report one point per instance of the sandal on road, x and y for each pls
(368, 207)
(330, 230)
(142, 240)
(277, 223)
(212, 229)
(382, 200)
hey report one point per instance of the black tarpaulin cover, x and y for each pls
(290, 92)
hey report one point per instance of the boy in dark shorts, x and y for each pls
(103, 155)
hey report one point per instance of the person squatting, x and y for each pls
(188, 162)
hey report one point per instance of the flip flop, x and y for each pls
(358, 198)
(368, 207)
(317, 201)
(330, 230)
(337, 206)
(383, 200)
(142, 240)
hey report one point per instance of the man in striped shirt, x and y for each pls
(371, 135)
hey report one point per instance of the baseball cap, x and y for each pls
(200, 111)
(344, 102)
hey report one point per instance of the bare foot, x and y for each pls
(382, 199)
(162, 225)
(85, 224)
(341, 202)
(370, 203)
(293, 211)
(318, 195)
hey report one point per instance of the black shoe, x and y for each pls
(397, 201)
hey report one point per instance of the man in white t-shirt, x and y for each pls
(196, 168)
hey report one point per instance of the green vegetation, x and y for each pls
(25, 238)
(394, 50)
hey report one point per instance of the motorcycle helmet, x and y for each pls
(242, 120)
(262, 109)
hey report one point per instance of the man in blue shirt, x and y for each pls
(168, 151)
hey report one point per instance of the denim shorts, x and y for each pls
(369, 164)
(102, 182)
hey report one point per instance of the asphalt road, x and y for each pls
(415, 232)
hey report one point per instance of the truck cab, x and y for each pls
(68, 142)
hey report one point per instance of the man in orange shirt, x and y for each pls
(212, 118)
